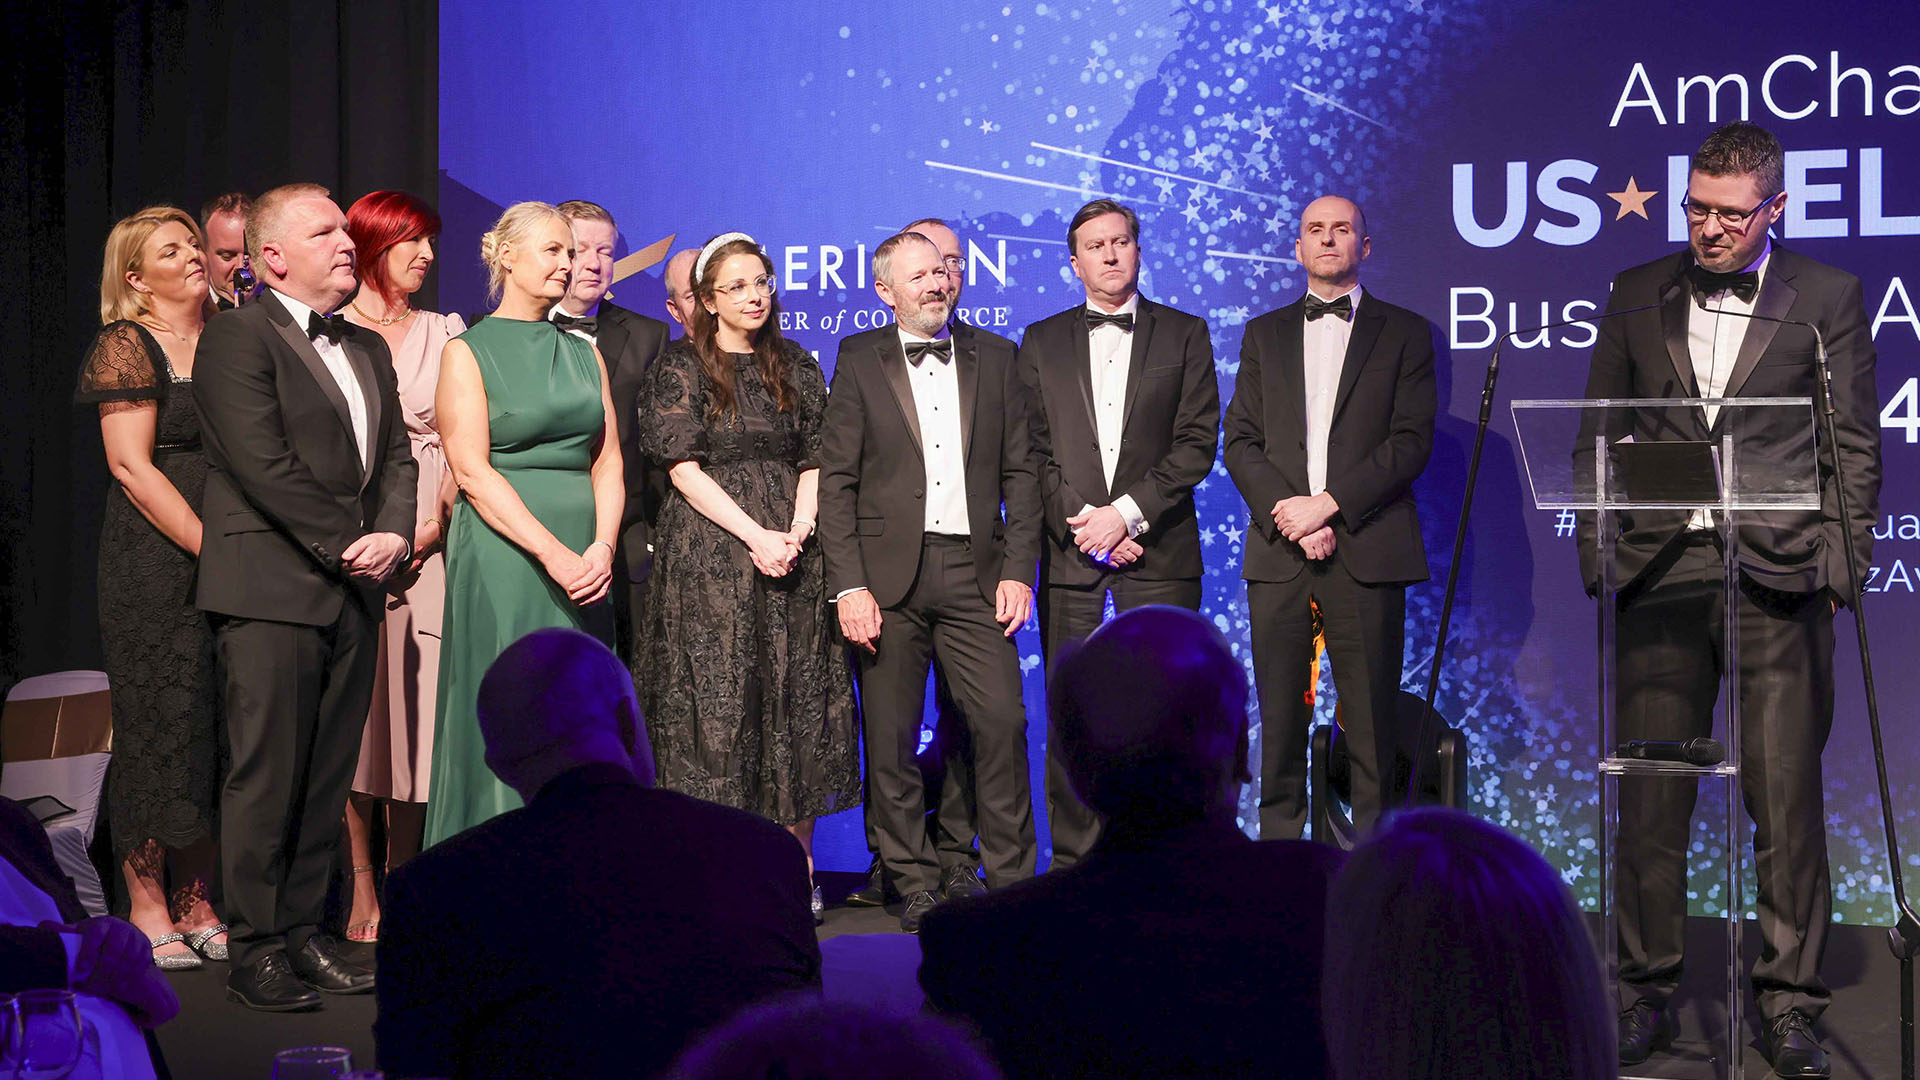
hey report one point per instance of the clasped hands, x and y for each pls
(775, 554)
(586, 575)
(374, 557)
(1303, 519)
(1101, 534)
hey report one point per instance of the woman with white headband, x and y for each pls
(748, 698)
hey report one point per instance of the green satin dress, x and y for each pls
(545, 417)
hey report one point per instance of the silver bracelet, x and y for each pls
(603, 544)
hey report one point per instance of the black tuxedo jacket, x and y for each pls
(1167, 443)
(1191, 955)
(1381, 437)
(630, 342)
(288, 490)
(873, 476)
(1645, 355)
(593, 932)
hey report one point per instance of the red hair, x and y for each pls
(377, 221)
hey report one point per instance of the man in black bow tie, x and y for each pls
(925, 444)
(1330, 424)
(631, 342)
(1126, 422)
(1793, 577)
(308, 509)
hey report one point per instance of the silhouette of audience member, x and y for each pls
(806, 1038)
(1455, 953)
(48, 942)
(600, 928)
(1179, 947)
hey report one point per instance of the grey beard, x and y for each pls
(924, 323)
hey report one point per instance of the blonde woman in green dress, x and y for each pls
(525, 417)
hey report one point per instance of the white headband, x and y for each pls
(700, 264)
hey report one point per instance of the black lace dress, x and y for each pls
(748, 697)
(168, 746)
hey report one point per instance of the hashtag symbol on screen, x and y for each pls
(1563, 524)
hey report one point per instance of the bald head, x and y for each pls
(1332, 244)
(1151, 718)
(556, 700)
(679, 280)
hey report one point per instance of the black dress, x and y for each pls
(748, 697)
(168, 745)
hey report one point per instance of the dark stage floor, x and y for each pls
(214, 1039)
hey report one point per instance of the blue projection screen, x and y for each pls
(1511, 158)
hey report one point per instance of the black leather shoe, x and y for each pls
(1644, 1029)
(320, 965)
(918, 904)
(875, 892)
(959, 883)
(269, 985)
(1792, 1050)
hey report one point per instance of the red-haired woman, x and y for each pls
(393, 236)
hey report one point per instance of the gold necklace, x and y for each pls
(383, 322)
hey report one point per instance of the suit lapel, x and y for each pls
(966, 370)
(361, 359)
(296, 339)
(1137, 358)
(1367, 324)
(1775, 300)
(893, 364)
(1673, 326)
(611, 338)
(1292, 364)
(1083, 364)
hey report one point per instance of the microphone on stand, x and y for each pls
(1701, 752)
(1667, 293)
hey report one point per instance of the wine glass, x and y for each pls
(312, 1063)
(48, 1036)
(9, 1052)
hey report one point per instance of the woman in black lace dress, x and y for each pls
(163, 782)
(749, 699)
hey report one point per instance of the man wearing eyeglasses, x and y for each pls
(924, 446)
(1793, 578)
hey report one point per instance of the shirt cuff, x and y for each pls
(1130, 513)
(844, 593)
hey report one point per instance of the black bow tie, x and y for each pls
(589, 325)
(332, 327)
(1097, 319)
(1317, 307)
(1706, 283)
(943, 349)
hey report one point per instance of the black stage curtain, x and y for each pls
(110, 107)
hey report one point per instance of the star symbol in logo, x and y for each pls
(1632, 200)
(988, 126)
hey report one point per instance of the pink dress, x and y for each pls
(396, 752)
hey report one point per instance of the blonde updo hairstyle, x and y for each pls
(125, 252)
(515, 226)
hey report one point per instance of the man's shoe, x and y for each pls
(1643, 1029)
(918, 904)
(269, 985)
(959, 883)
(320, 965)
(874, 892)
(1792, 1050)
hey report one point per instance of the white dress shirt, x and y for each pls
(334, 356)
(1110, 354)
(558, 310)
(1324, 353)
(1713, 343)
(936, 403)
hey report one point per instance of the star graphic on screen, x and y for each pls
(1263, 132)
(1236, 215)
(987, 126)
(1317, 38)
(1259, 269)
(1632, 200)
(1191, 213)
(1165, 184)
(1093, 63)
(1266, 52)
(1273, 14)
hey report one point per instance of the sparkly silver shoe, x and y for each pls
(819, 907)
(177, 961)
(201, 941)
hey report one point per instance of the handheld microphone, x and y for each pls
(1702, 752)
(243, 284)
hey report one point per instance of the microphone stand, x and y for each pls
(1466, 511)
(1904, 936)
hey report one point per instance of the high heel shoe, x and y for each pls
(201, 941)
(186, 961)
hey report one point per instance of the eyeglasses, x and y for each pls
(1729, 219)
(955, 263)
(738, 291)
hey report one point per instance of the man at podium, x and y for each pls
(1707, 335)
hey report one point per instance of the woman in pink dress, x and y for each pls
(393, 236)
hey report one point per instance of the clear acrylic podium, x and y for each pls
(1643, 459)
